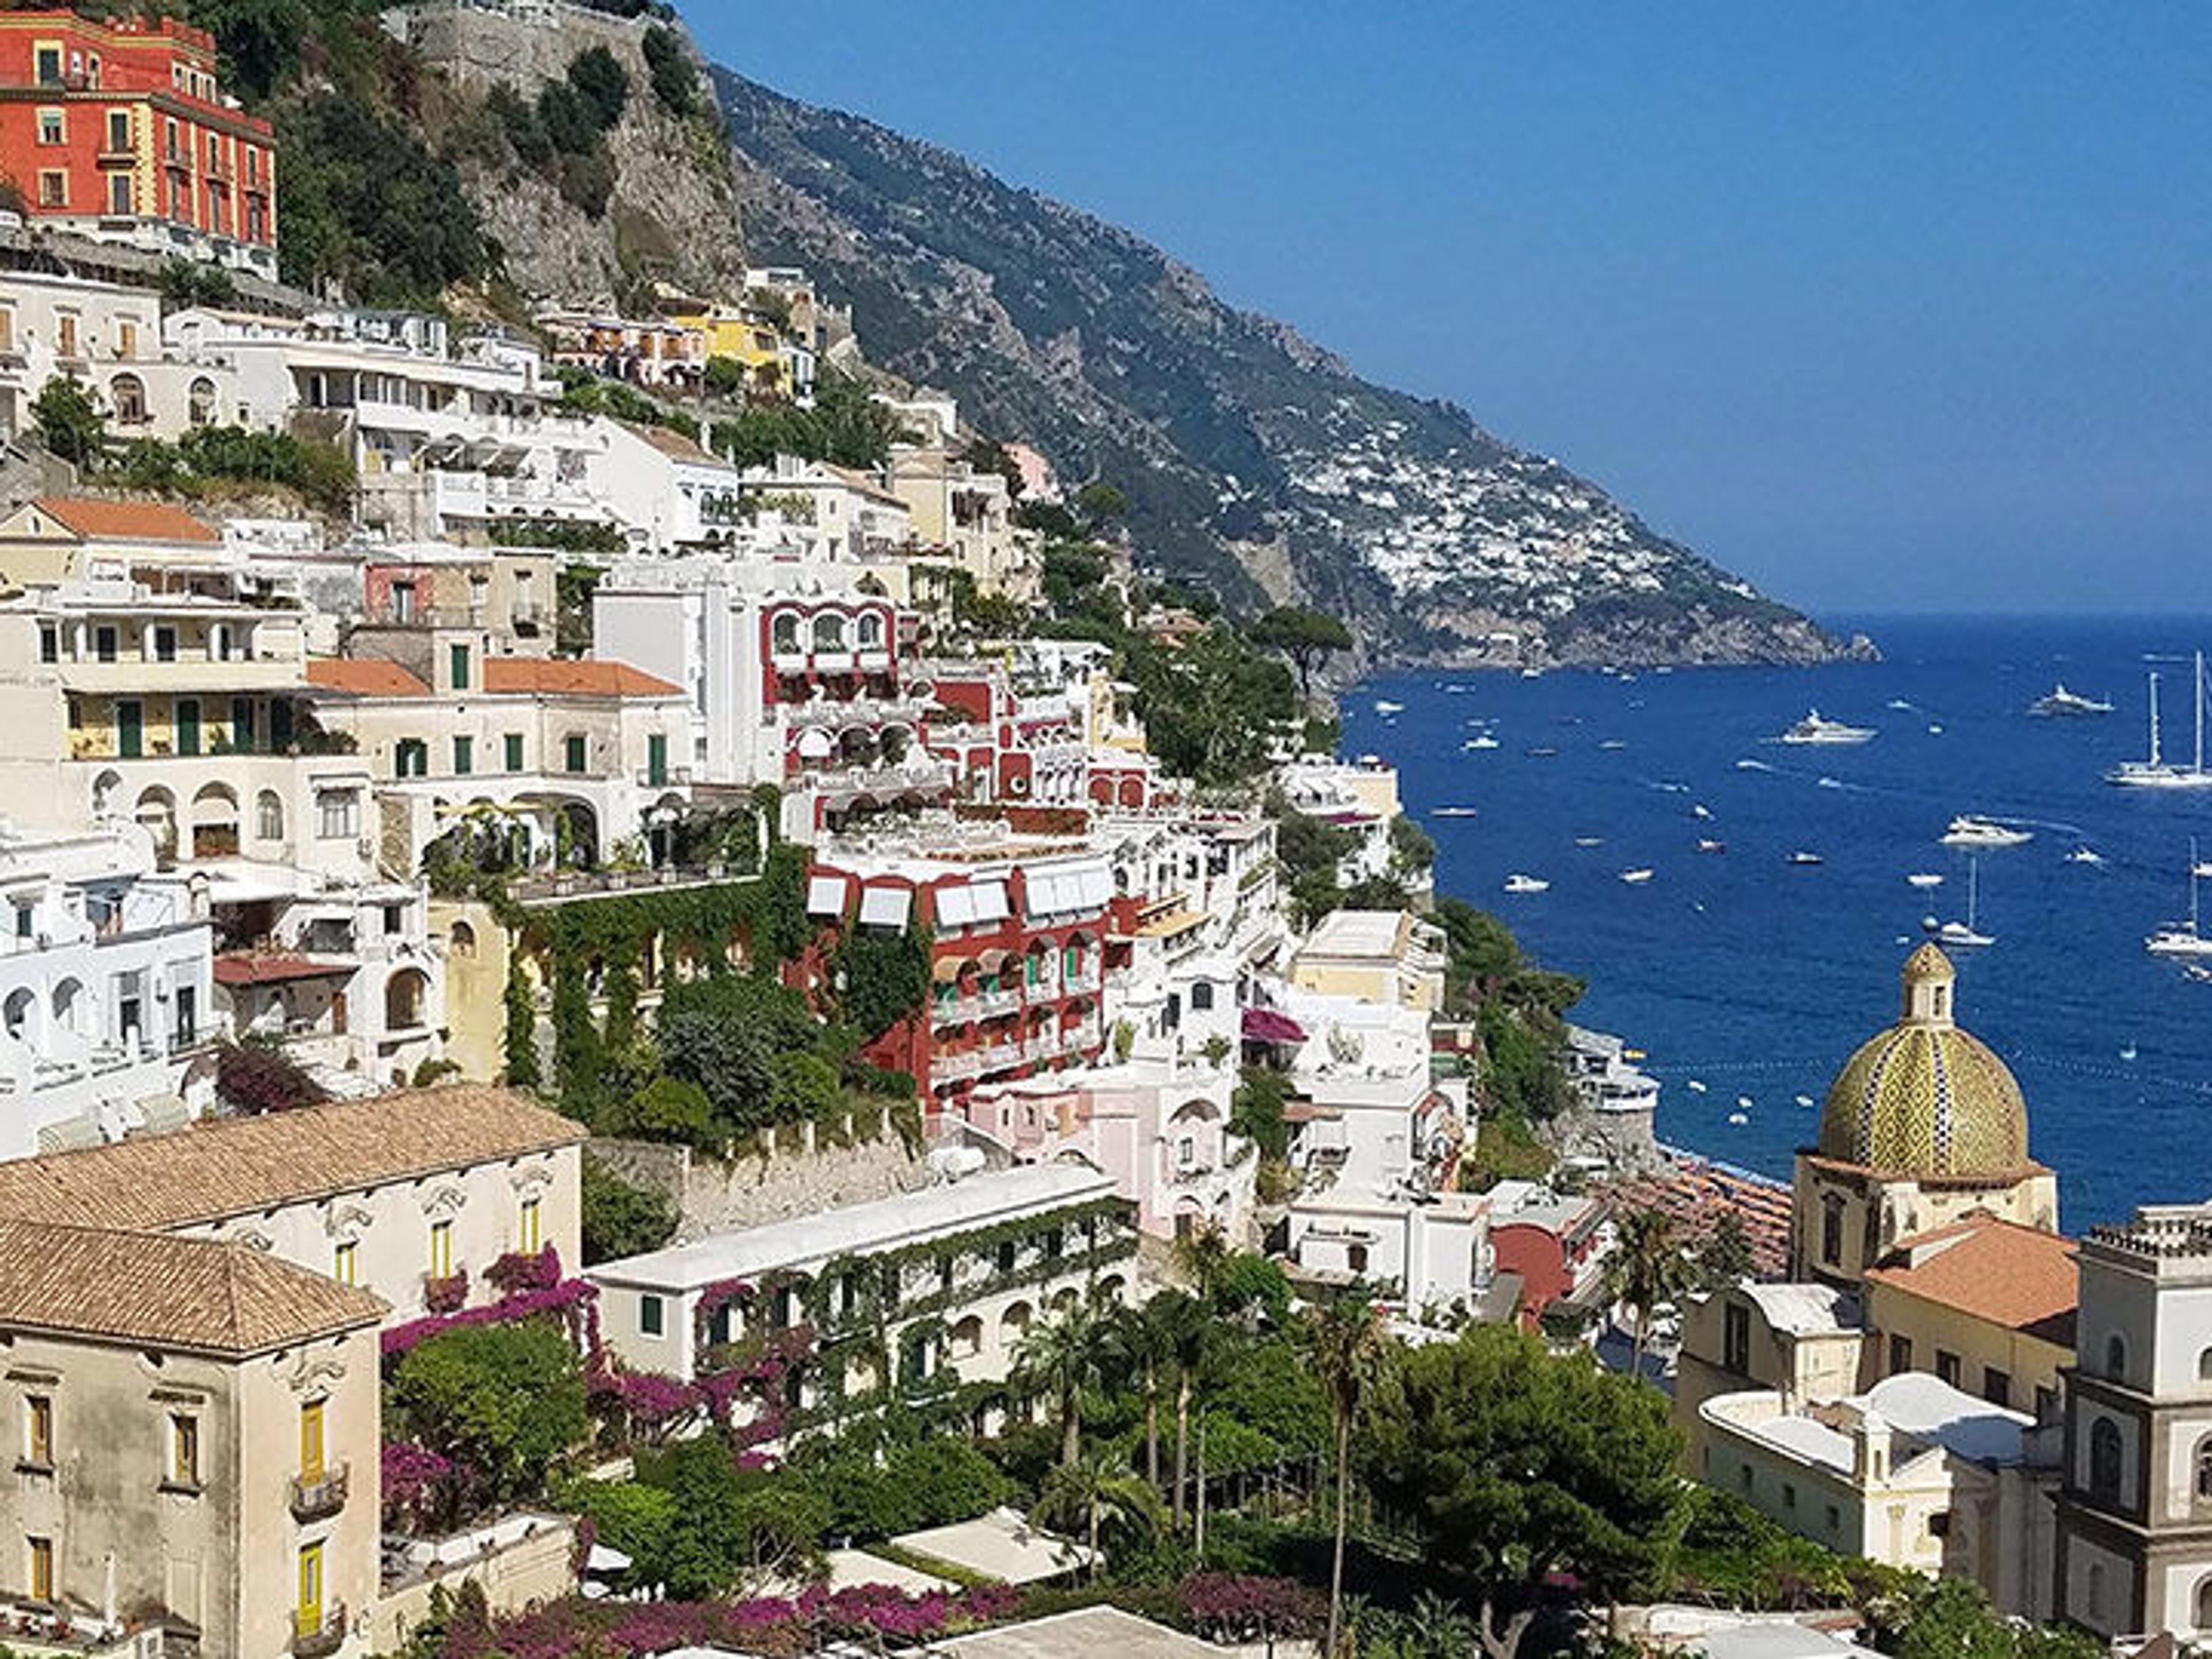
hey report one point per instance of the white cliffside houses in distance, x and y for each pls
(106, 990)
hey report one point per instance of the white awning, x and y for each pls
(825, 895)
(955, 906)
(990, 900)
(1094, 887)
(1041, 892)
(885, 906)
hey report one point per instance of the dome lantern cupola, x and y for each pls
(1929, 979)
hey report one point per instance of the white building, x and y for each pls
(106, 991)
(952, 1275)
(1360, 798)
(108, 338)
(668, 493)
(1913, 1473)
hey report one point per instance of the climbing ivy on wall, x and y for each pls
(882, 978)
(763, 919)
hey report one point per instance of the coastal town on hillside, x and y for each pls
(661, 997)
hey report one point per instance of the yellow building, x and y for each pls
(1987, 1305)
(1377, 956)
(747, 336)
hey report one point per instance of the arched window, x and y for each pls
(1832, 1229)
(200, 402)
(22, 1004)
(2105, 1461)
(783, 634)
(2204, 1470)
(462, 940)
(830, 631)
(2204, 1605)
(126, 394)
(269, 816)
(871, 630)
(2204, 1366)
(2116, 1356)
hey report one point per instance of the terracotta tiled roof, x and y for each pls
(588, 677)
(165, 1293)
(126, 521)
(229, 1166)
(274, 967)
(2011, 1275)
(367, 676)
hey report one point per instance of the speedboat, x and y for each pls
(1453, 812)
(1386, 707)
(1701, 811)
(1637, 877)
(1707, 845)
(2059, 702)
(1589, 841)
(1968, 830)
(1614, 743)
(1924, 879)
(1485, 741)
(2084, 855)
(1815, 728)
(1801, 856)
(1532, 673)
(1518, 882)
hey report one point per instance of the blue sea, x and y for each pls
(1756, 977)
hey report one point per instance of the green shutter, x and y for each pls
(463, 756)
(188, 725)
(513, 742)
(458, 656)
(656, 759)
(577, 756)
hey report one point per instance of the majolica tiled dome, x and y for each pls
(1924, 1098)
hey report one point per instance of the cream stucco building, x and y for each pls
(196, 1433)
(392, 1194)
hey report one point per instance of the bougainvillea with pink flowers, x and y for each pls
(763, 1625)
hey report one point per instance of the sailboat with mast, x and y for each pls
(2182, 939)
(2158, 772)
(1968, 933)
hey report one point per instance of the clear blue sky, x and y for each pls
(1888, 307)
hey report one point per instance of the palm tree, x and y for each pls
(1144, 1344)
(1062, 1356)
(1188, 1331)
(1649, 1267)
(1347, 1342)
(1100, 1495)
(1201, 1254)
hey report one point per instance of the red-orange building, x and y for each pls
(119, 130)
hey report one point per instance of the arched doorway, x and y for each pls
(406, 1000)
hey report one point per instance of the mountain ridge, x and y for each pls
(1254, 458)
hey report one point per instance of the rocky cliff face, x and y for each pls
(673, 212)
(1252, 458)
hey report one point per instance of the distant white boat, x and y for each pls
(1694, 1087)
(1518, 882)
(1707, 845)
(2157, 772)
(2181, 938)
(1805, 1100)
(1935, 731)
(1614, 743)
(1589, 841)
(2128, 1052)
(1924, 879)
(1967, 934)
(1737, 1120)
(1746, 1101)
(1485, 741)
(1815, 728)
(1637, 877)
(1701, 811)
(1898, 702)
(1386, 707)
(1968, 830)
(1801, 856)
(1747, 764)
(1532, 673)
(2084, 855)
(2059, 703)
(1453, 812)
